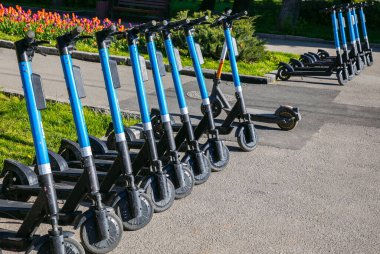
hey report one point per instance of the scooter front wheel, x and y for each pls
(341, 79)
(89, 235)
(130, 223)
(200, 176)
(188, 180)
(216, 163)
(282, 73)
(71, 247)
(369, 59)
(247, 139)
(153, 192)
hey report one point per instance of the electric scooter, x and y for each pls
(131, 205)
(311, 59)
(45, 207)
(367, 49)
(101, 229)
(216, 151)
(286, 117)
(194, 157)
(285, 71)
(357, 34)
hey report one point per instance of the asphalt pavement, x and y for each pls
(310, 190)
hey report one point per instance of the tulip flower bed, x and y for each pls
(14, 21)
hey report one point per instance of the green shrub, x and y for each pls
(211, 39)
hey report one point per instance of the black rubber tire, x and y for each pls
(341, 80)
(184, 191)
(216, 107)
(369, 60)
(88, 235)
(71, 247)
(153, 194)
(217, 165)
(289, 114)
(281, 75)
(198, 177)
(133, 224)
(10, 179)
(243, 143)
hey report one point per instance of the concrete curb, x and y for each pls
(188, 71)
(301, 38)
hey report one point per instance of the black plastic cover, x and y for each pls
(114, 74)
(79, 82)
(38, 91)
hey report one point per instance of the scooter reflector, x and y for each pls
(178, 59)
(199, 53)
(160, 61)
(144, 71)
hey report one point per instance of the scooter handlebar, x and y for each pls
(159, 27)
(143, 28)
(177, 24)
(226, 17)
(198, 21)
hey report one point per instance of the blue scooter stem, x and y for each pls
(335, 31)
(197, 68)
(342, 29)
(35, 120)
(355, 23)
(76, 106)
(112, 96)
(158, 82)
(233, 63)
(176, 77)
(139, 83)
(363, 21)
(351, 29)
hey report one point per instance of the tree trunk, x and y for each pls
(207, 5)
(288, 14)
(240, 5)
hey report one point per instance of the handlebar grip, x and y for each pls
(176, 24)
(238, 15)
(29, 36)
(147, 25)
(197, 21)
(76, 31)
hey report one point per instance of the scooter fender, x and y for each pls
(295, 62)
(306, 59)
(239, 129)
(43, 239)
(288, 67)
(24, 173)
(97, 145)
(70, 150)
(295, 110)
(57, 162)
(89, 214)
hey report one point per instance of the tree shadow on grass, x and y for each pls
(15, 139)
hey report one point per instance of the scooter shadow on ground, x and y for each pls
(310, 82)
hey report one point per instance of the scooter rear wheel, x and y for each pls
(281, 74)
(134, 223)
(160, 205)
(288, 114)
(242, 140)
(12, 179)
(217, 165)
(216, 107)
(89, 236)
(71, 247)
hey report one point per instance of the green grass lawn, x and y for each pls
(256, 69)
(15, 135)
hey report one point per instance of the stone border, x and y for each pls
(303, 39)
(189, 71)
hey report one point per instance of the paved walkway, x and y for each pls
(311, 190)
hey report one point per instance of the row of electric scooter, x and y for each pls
(106, 187)
(347, 63)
